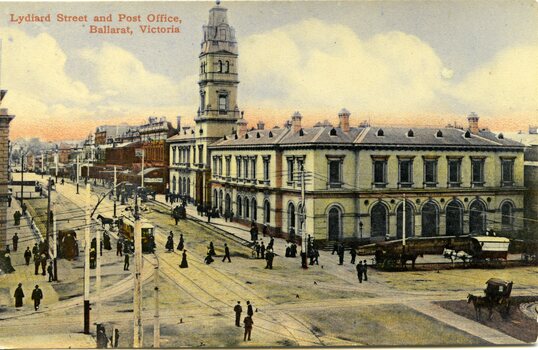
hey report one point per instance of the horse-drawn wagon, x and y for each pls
(497, 296)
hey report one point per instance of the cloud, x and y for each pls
(507, 84)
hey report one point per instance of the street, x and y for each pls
(323, 305)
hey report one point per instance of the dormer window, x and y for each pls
(235, 136)
(380, 133)
(301, 132)
(439, 133)
(270, 134)
(258, 135)
(332, 132)
(500, 136)
(246, 136)
(410, 133)
(467, 134)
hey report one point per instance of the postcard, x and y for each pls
(287, 174)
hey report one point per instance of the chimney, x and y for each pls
(178, 119)
(296, 121)
(241, 127)
(261, 125)
(473, 122)
(343, 115)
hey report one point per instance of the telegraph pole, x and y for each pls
(115, 193)
(23, 155)
(77, 176)
(156, 322)
(56, 169)
(97, 274)
(404, 223)
(143, 154)
(137, 298)
(87, 263)
(42, 164)
(303, 214)
(55, 244)
(48, 215)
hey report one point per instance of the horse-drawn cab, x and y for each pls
(498, 290)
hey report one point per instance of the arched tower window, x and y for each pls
(220, 66)
(227, 66)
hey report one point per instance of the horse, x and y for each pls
(480, 303)
(453, 254)
(105, 221)
(404, 258)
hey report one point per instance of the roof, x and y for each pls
(491, 239)
(416, 136)
(147, 171)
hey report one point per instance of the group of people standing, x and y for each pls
(247, 321)
(37, 296)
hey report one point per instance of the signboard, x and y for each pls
(158, 180)
(139, 152)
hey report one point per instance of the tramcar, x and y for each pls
(126, 231)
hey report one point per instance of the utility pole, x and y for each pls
(48, 216)
(87, 263)
(42, 164)
(303, 214)
(156, 322)
(137, 298)
(23, 155)
(115, 193)
(97, 274)
(143, 154)
(404, 222)
(55, 244)
(78, 175)
(56, 156)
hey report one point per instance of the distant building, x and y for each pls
(5, 120)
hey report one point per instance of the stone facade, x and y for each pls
(5, 119)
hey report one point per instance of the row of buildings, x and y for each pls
(357, 182)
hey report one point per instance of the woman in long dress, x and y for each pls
(170, 244)
(181, 243)
(184, 263)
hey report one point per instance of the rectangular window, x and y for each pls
(238, 165)
(228, 166)
(245, 164)
(507, 174)
(380, 173)
(430, 172)
(220, 165)
(201, 154)
(223, 104)
(253, 168)
(266, 169)
(290, 171)
(335, 173)
(454, 172)
(406, 172)
(477, 172)
(215, 165)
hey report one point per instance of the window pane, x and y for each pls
(430, 171)
(477, 171)
(405, 171)
(334, 171)
(379, 171)
(507, 171)
(454, 167)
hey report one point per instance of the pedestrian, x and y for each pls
(181, 243)
(316, 256)
(226, 253)
(126, 263)
(341, 254)
(365, 270)
(49, 271)
(271, 243)
(37, 295)
(9, 200)
(304, 262)
(184, 263)
(231, 216)
(335, 248)
(102, 340)
(15, 241)
(360, 271)
(119, 248)
(292, 234)
(43, 259)
(257, 247)
(212, 249)
(27, 255)
(24, 208)
(238, 309)
(170, 243)
(353, 254)
(287, 253)
(226, 215)
(37, 262)
(19, 295)
(248, 327)
(250, 310)
(262, 250)
(17, 218)
(264, 230)
(293, 250)
(35, 250)
(208, 259)
(269, 256)
(209, 213)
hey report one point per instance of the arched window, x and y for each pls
(454, 218)
(188, 187)
(430, 219)
(227, 67)
(239, 206)
(334, 221)
(379, 220)
(507, 216)
(185, 190)
(219, 204)
(266, 211)
(477, 217)
(409, 220)
(215, 198)
(254, 210)
(291, 216)
(247, 208)
(380, 132)
(220, 66)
